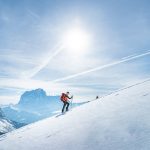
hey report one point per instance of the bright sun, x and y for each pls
(76, 40)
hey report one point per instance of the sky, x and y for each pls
(86, 47)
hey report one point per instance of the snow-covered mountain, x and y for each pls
(119, 121)
(33, 106)
(5, 124)
(34, 98)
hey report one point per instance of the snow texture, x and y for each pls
(119, 121)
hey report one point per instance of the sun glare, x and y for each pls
(76, 40)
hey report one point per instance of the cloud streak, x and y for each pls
(33, 14)
(50, 56)
(102, 67)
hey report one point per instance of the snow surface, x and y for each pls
(120, 121)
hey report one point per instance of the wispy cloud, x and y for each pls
(15, 63)
(102, 67)
(56, 86)
(9, 99)
(45, 62)
(52, 89)
(33, 14)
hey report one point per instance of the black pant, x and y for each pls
(65, 103)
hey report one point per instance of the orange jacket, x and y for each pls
(64, 97)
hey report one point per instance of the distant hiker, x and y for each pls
(97, 97)
(64, 98)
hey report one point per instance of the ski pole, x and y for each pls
(71, 102)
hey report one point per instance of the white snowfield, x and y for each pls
(120, 121)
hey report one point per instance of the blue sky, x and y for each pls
(32, 54)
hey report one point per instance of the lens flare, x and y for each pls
(76, 40)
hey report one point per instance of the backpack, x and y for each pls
(63, 96)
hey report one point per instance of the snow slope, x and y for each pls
(120, 121)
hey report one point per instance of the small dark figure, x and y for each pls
(64, 98)
(97, 97)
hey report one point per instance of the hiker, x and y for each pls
(64, 98)
(97, 97)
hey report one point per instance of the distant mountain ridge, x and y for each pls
(34, 97)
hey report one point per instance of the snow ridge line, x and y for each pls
(121, 89)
